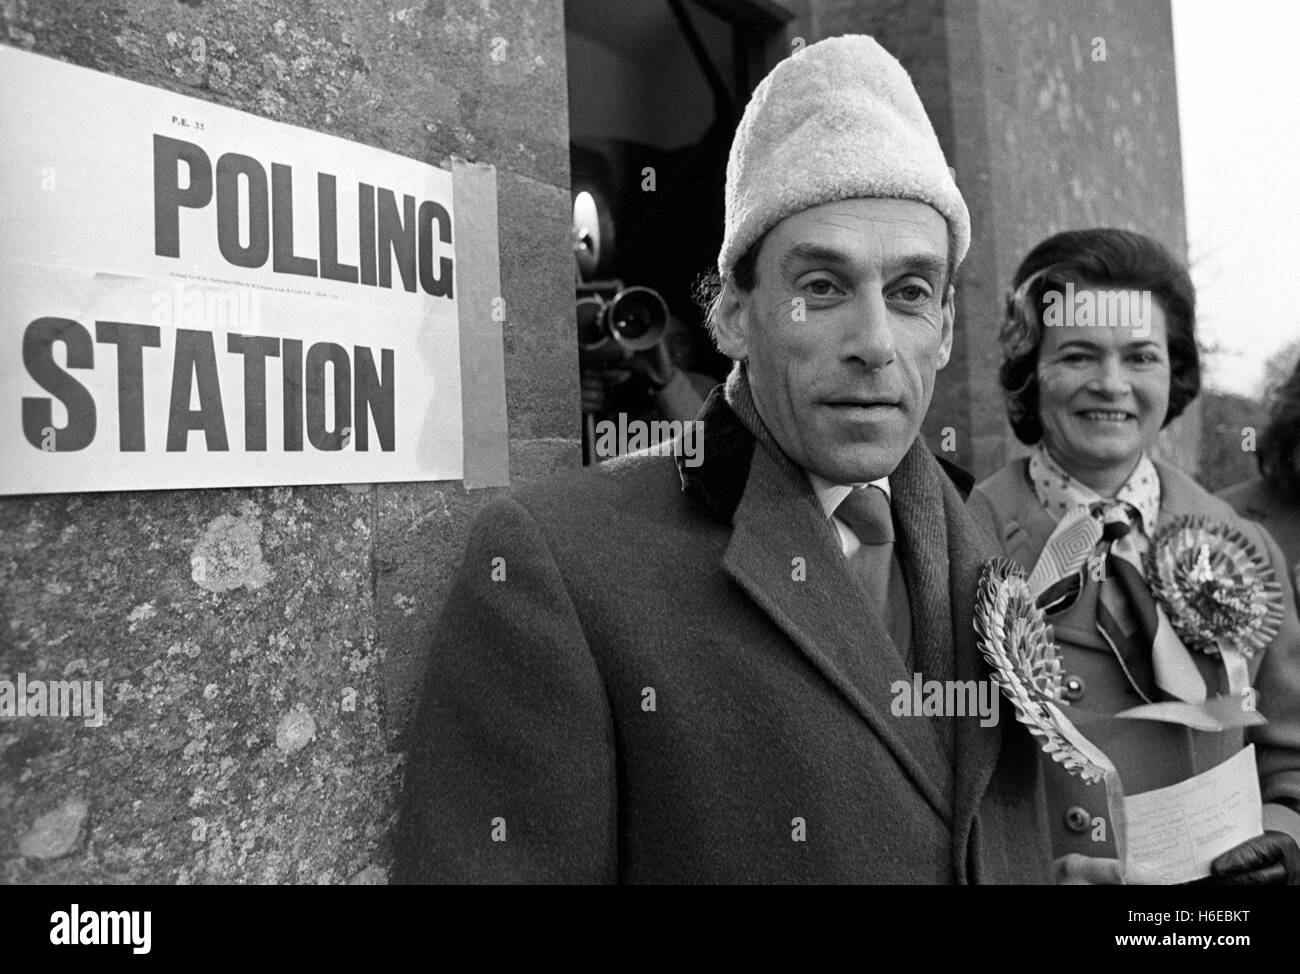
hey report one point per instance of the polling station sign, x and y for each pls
(193, 296)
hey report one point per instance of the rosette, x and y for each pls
(1017, 642)
(1217, 589)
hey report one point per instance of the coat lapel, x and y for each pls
(775, 519)
(1028, 530)
(778, 522)
(977, 747)
(945, 555)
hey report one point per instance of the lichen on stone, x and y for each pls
(55, 833)
(295, 731)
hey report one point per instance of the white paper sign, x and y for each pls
(192, 296)
(1176, 832)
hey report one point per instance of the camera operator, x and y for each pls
(658, 383)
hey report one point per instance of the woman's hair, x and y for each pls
(1104, 258)
(1280, 441)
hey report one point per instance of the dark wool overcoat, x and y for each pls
(648, 672)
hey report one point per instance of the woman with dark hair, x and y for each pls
(1273, 498)
(1099, 354)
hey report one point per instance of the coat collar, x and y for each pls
(1180, 496)
(727, 450)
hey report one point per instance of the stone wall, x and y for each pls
(254, 715)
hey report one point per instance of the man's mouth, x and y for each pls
(860, 402)
(864, 407)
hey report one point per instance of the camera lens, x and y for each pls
(637, 318)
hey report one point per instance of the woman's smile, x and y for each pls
(1107, 416)
(1103, 396)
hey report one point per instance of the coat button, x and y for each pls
(1072, 688)
(1078, 820)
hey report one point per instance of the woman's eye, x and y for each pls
(1145, 358)
(1074, 358)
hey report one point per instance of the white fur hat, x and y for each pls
(839, 119)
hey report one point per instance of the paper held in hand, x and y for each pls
(1176, 832)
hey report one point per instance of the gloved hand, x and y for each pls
(603, 369)
(1270, 859)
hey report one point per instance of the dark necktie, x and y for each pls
(875, 565)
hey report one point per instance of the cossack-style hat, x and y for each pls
(839, 119)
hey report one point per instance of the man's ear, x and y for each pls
(949, 317)
(731, 323)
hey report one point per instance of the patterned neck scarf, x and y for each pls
(1060, 492)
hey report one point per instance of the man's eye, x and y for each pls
(912, 293)
(821, 288)
(1144, 358)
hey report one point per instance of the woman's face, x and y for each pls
(1103, 381)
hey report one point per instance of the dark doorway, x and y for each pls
(656, 88)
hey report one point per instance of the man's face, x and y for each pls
(850, 319)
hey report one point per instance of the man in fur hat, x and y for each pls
(652, 671)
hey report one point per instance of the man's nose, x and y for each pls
(869, 338)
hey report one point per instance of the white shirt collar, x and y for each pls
(830, 495)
